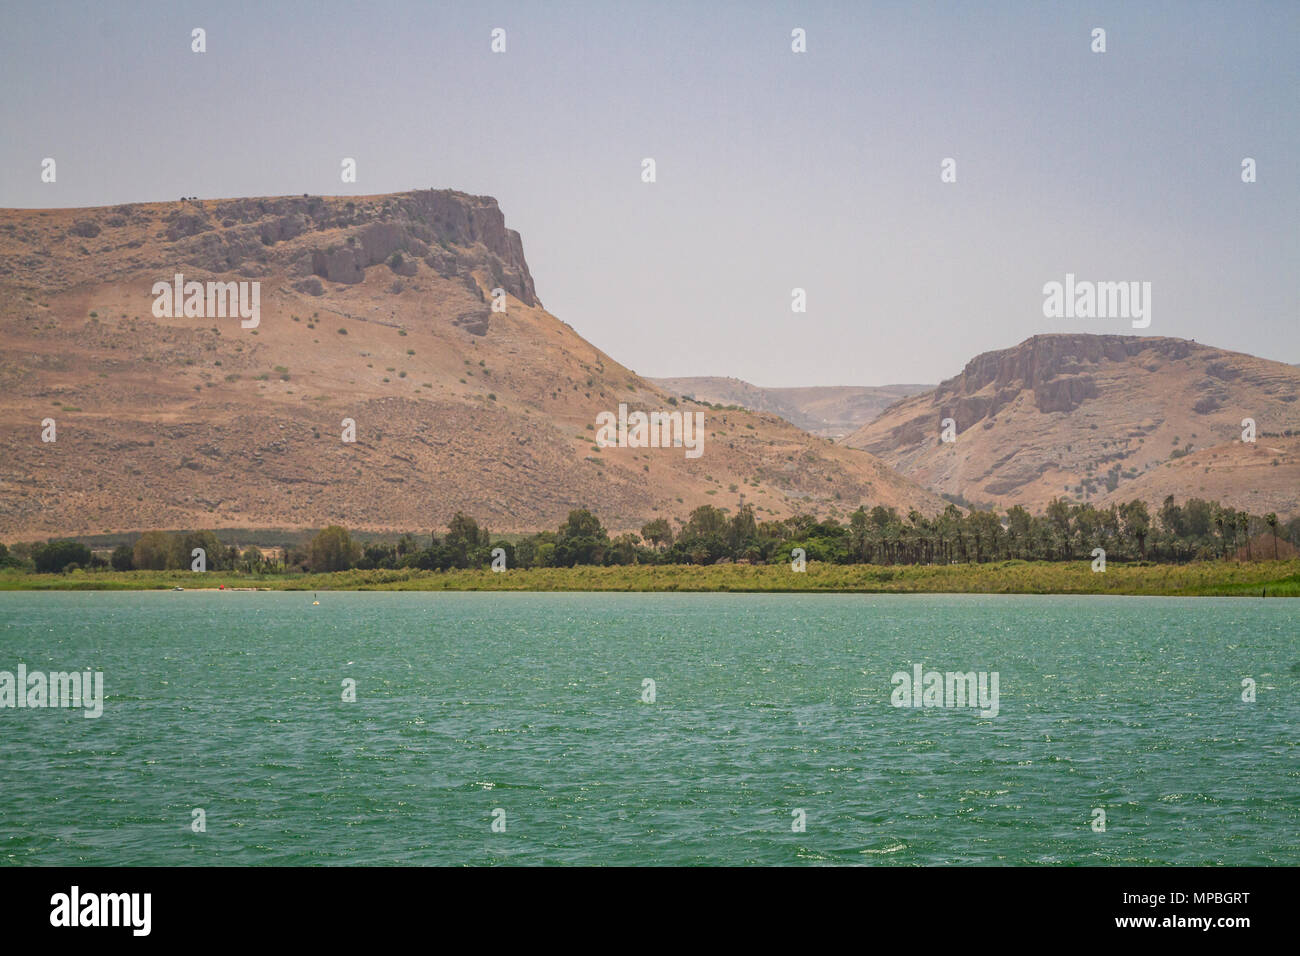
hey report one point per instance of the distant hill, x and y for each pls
(1101, 418)
(375, 309)
(831, 411)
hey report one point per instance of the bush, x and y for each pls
(56, 556)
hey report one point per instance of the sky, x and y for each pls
(775, 170)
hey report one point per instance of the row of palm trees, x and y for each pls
(1064, 531)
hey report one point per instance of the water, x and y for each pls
(531, 703)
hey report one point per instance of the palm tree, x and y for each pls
(1271, 520)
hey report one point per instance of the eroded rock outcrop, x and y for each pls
(333, 238)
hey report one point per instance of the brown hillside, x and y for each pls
(372, 308)
(1098, 417)
(1259, 477)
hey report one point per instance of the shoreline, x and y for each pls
(1196, 579)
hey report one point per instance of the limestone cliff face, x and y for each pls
(1056, 368)
(452, 232)
(335, 239)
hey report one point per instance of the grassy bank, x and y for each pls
(1276, 578)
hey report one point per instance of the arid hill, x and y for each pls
(1259, 477)
(376, 309)
(1101, 418)
(831, 411)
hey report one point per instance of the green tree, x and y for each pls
(707, 522)
(544, 554)
(333, 550)
(1019, 525)
(1198, 516)
(122, 558)
(622, 550)
(55, 556)
(986, 532)
(581, 523)
(217, 556)
(658, 532)
(1137, 523)
(949, 529)
(153, 551)
(581, 540)
(743, 530)
(859, 534)
(463, 538)
(1172, 518)
(1058, 515)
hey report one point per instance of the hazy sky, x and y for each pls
(775, 169)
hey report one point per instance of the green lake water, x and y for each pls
(532, 704)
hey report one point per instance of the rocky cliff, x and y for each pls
(334, 239)
(1083, 416)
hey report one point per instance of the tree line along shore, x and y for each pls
(1198, 547)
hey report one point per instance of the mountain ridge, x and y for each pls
(374, 309)
(1079, 416)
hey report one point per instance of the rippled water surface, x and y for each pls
(532, 703)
